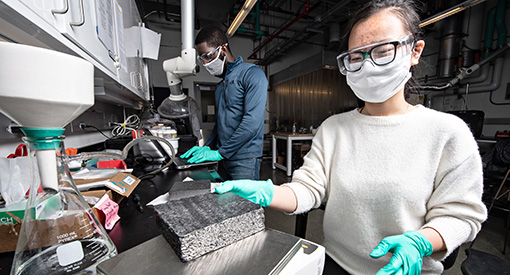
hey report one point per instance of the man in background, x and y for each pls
(237, 137)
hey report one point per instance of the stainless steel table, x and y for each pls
(266, 252)
(289, 137)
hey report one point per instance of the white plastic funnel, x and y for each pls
(44, 89)
(41, 88)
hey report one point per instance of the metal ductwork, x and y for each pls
(321, 60)
(334, 32)
(451, 36)
(188, 24)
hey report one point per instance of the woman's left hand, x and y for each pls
(408, 251)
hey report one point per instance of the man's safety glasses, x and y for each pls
(380, 53)
(207, 57)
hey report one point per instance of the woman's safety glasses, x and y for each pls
(380, 53)
(207, 57)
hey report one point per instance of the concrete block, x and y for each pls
(197, 225)
(185, 189)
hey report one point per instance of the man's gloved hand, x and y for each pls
(205, 155)
(193, 150)
(408, 251)
(257, 191)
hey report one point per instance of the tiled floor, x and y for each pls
(490, 239)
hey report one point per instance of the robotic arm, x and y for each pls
(178, 105)
(177, 68)
(186, 64)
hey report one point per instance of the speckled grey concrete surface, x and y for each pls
(200, 224)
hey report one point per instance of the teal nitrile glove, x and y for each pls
(408, 251)
(193, 150)
(205, 155)
(256, 191)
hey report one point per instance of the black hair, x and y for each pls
(406, 10)
(213, 36)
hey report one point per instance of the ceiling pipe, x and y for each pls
(253, 55)
(449, 12)
(465, 73)
(484, 74)
(472, 89)
(299, 37)
(479, 78)
(499, 53)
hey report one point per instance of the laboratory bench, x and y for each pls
(137, 222)
(137, 232)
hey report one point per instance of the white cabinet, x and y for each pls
(132, 71)
(76, 20)
(52, 11)
(101, 31)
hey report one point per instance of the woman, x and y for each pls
(394, 177)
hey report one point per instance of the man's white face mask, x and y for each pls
(216, 66)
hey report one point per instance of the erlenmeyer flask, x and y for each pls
(59, 232)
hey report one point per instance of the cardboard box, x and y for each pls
(99, 194)
(9, 214)
(120, 180)
(9, 237)
(121, 185)
(47, 232)
(280, 160)
(126, 181)
(14, 213)
(10, 227)
(301, 149)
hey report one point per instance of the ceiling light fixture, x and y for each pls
(449, 12)
(248, 5)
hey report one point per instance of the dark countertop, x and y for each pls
(134, 226)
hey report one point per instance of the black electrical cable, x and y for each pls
(144, 160)
(147, 176)
(112, 139)
(83, 126)
(464, 100)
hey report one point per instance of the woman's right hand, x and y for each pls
(257, 191)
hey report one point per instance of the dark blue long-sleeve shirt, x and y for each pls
(240, 102)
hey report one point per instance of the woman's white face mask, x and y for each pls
(216, 66)
(376, 84)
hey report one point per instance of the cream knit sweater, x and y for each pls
(382, 176)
